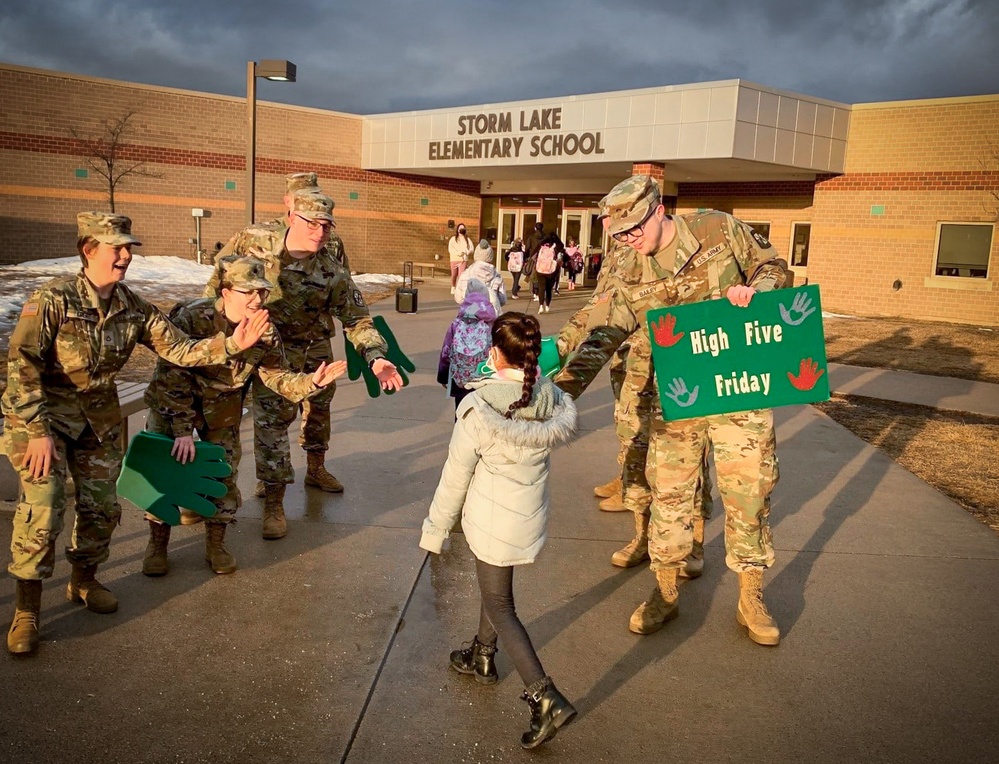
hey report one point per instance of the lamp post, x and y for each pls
(277, 71)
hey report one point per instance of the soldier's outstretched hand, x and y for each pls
(251, 329)
(327, 372)
(387, 374)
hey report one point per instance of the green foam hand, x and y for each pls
(156, 482)
(357, 366)
(548, 361)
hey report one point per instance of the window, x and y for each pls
(800, 235)
(763, 229)
(963, 249)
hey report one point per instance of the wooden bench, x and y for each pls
(442, 266)
(129, 398)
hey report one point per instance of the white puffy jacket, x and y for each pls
(496, 474)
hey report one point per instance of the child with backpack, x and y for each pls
(467, 341)
(573, 262)
(515, 264)
(545, 267)
(510, 423)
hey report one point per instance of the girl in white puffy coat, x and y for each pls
(496, 479)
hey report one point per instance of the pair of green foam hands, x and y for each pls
(357, 366)
(548, 361)
(155, 481)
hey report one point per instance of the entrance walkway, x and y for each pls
(331, 645)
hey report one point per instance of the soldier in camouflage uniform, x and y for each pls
(636, 405)
(686, 259)
(62, 415)
(312, 287)
(315, 415)
(209, 399)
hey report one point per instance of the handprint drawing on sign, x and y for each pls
(677, 389)
(662, 330)
(808, 374)
(801, 308)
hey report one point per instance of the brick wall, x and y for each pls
(922, 163)
(781, 204)
(197, 142)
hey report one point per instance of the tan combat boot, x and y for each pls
(693, 565)
(275, 526)
(607, 490)
(22, 638)
(662, 605)
(637, 550)
(216, 554)
(613, 503)
(318, 475)
(752, 612)
(84, 587)
(155, 562)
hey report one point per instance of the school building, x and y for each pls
(889, 207)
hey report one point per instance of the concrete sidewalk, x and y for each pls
(331, 645)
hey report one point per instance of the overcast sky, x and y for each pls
(373, 56)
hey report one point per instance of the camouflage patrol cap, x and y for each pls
(628, 202)
(106, 227)
(299, 181)
(312, 205)
(245, 273)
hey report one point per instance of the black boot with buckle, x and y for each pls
(550, 710)
(478, 660)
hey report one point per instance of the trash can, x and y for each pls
(407, 295)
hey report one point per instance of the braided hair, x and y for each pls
(518, 337)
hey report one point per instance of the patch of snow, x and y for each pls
(826, 314)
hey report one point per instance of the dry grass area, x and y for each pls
(944, 350)
(952, 451)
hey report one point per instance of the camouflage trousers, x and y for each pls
(273, 415)
(635, 407)
(38, 521)
(746, 465)
(228, 438)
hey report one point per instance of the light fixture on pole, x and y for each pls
(277, 71)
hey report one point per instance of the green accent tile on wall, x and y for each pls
(230, 185)
(877, 209)
(353, 196)
(424, 202)
(81, 172)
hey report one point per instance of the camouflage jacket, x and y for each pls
(213, 395)
(619, 259)
(334, 246)
(64, 355)
(310, 292)
(713, 251)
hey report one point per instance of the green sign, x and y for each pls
(714, 358)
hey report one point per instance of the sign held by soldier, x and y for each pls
(715, 358)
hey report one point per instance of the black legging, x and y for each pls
(545, 286)
(499, 617)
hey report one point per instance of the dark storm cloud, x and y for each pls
(382, 56)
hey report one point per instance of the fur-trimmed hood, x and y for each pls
(548, 421)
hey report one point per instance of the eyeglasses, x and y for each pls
(263, 294)
(632, 232)
(315, 225)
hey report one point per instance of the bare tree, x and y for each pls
(989, 162)
(109, 155)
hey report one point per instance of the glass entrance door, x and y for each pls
(514, 224)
